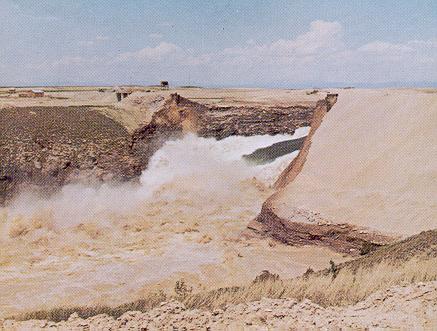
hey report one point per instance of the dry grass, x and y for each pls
(409, 261)
(62, 313)
(327, 289)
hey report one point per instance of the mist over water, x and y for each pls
(190, 178)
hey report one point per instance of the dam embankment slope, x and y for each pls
(371, 166)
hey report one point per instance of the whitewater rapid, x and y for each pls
(197, 172)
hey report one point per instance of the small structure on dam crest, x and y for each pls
(122, 93)
(164, 84)
(37, 93)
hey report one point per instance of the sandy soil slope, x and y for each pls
(372, 163)
(400, 307)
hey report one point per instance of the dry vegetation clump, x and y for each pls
(327, 289)
(62, 313)
(409, 261)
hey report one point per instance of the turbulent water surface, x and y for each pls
(87, 244)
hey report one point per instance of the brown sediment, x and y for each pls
(344, 238)
(177, 116)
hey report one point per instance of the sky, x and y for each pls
(265, 43)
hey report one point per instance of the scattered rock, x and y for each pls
(399, 307)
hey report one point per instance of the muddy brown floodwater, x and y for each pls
(109, 244)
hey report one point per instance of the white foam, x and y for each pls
(208, 175)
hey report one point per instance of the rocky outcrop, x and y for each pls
(177, 116)
(222, 122)
(46, 147)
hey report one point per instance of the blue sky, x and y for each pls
(218, 43)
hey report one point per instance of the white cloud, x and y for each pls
(322, 38)
(414, 55)
(317, 55)
(154, 54)
(380, 47)
(320, 54)
(165, 52)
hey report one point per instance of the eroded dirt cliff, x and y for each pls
(361, 178)
(50, 146)
(307, 227)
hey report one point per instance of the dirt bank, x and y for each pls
(51, 146)
(367, 168)
(343, 238)
(356, 288)
(400, 307)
